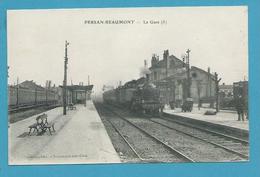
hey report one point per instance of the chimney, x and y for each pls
(166, 59)
(145, 63)
(154, 60)
(165, 54)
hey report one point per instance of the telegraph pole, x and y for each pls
(17, 92)
(188, 73)
(217, 80)
(64, 90)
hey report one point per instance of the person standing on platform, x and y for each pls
(240, 109)
(246, 109)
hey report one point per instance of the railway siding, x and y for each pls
(193, 148)
(202, 150)
(234, 146)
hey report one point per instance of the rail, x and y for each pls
(173, 150)
(205, 140)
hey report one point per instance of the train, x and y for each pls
(24, 96)
(139, 96)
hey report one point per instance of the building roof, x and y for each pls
(176, 63)
(240, 82)
(201, 70)
(223, 86)
(177, 76)
(30, 85)
(183, 73)
(162, 63)
(159, 64)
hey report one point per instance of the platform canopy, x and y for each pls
(79, 87)
(78, 93)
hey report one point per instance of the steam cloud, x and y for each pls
(144, 71)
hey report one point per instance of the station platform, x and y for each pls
(224, 117)
(80, 138)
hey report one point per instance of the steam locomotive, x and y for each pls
(137, 95)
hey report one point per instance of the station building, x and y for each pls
(240, 89)
(226, 90)
(170, 76)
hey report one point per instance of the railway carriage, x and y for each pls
(12, 96)
(23, 96)
(26, 96)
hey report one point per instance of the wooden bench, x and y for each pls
(34, 127)
(41, 125)
(50, 126)
(39, 122)
(71, 107)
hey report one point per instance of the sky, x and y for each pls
(109, 53)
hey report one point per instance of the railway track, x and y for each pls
(176, 155)
(233, 145)
(26, 107)
(127, 142)
(120, 134)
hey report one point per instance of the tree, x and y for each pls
(217, 80)
(199, 91)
